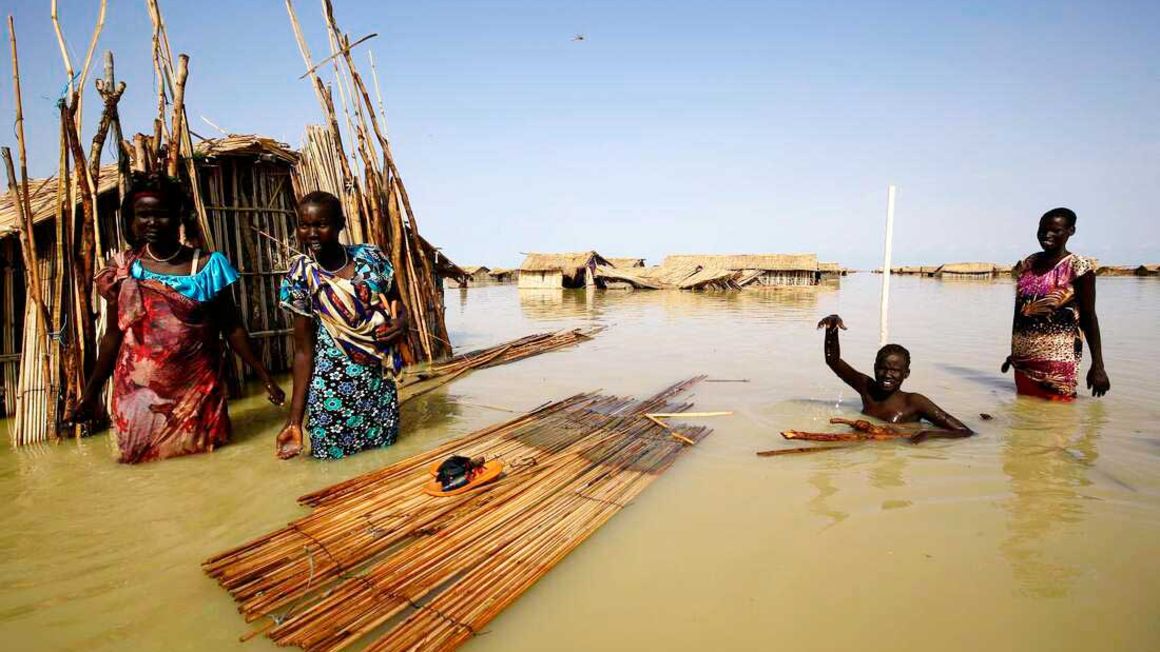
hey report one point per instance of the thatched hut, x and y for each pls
(477, 274)
(568, 270)
(1148, 270)
(246, 183)
(967, 270)
(830, 270)
(626, 263)
(502, 275)
(757, 270)
(1116, 270)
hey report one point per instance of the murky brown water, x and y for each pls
(1041, 533)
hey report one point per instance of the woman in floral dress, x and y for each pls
(168, 310)
(346, 322)
(1055, 302)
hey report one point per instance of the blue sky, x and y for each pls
(679, 127)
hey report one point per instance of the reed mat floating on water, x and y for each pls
(378, 561)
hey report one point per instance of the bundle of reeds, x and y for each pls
(420, 379)
(377, 557)
(377, 202)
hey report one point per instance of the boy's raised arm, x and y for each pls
(833, 351)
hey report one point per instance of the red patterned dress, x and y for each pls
(169, 394)
(1046, 345)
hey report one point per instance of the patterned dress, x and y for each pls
(169, 394)
(352, 403)
(1046, 345)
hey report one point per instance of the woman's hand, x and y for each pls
(288, 444)
(833, 322)
(80, 412)
(274, 393)
(1097, 381)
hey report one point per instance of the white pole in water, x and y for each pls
(886, 264)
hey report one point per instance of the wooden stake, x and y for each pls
(882, 331)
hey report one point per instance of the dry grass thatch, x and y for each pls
(568, 263)
(738, 262)
(249, 145)
(968, 268)
(626, 263)
(636, 280)
(829, 268)
(1148, 270)
(472, 270)
(43, 195)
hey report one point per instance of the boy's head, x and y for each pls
(891, 367)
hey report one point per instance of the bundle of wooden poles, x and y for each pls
(378, 559)
(377, 205)
(421, 379)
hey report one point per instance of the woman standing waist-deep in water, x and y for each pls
(1055, 300)
(347, 319)
(167, 311)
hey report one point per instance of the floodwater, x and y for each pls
(1043, 532)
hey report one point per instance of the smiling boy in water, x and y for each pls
(882, 395)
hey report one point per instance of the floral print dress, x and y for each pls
(1046, 345)
(352, 403)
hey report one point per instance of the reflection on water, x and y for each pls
(1048, 454)
(1019, 538)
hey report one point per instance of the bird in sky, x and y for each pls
(578, 37)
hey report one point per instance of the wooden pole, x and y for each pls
(23, 203)
(883, 330)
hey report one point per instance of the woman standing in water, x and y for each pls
(1055, 300)
(347, 319)
(167, 311)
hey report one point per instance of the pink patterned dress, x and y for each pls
(169, 393)
(1046, 344)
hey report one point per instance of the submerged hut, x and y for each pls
(502, 275)
(830, 270)
(967, 270)
(626, 263)
(477, 274)
(757, 270)
(1148, 270)
(1116, 270)
(568, 270)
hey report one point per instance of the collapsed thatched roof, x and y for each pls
(626, 263)
(568, 263)
(42, 193)
(630, 276)
(738, 262)
(246, 145)
(968, 268)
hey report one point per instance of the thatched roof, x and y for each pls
(968, 268)
(737, 262)
(246, 145)
(42, 193)
(629, 276)
(626, 263)
(1116, 270)
(1154, 268)
(567, 262)
(475, 269)
(829, 268)
(499, 271)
